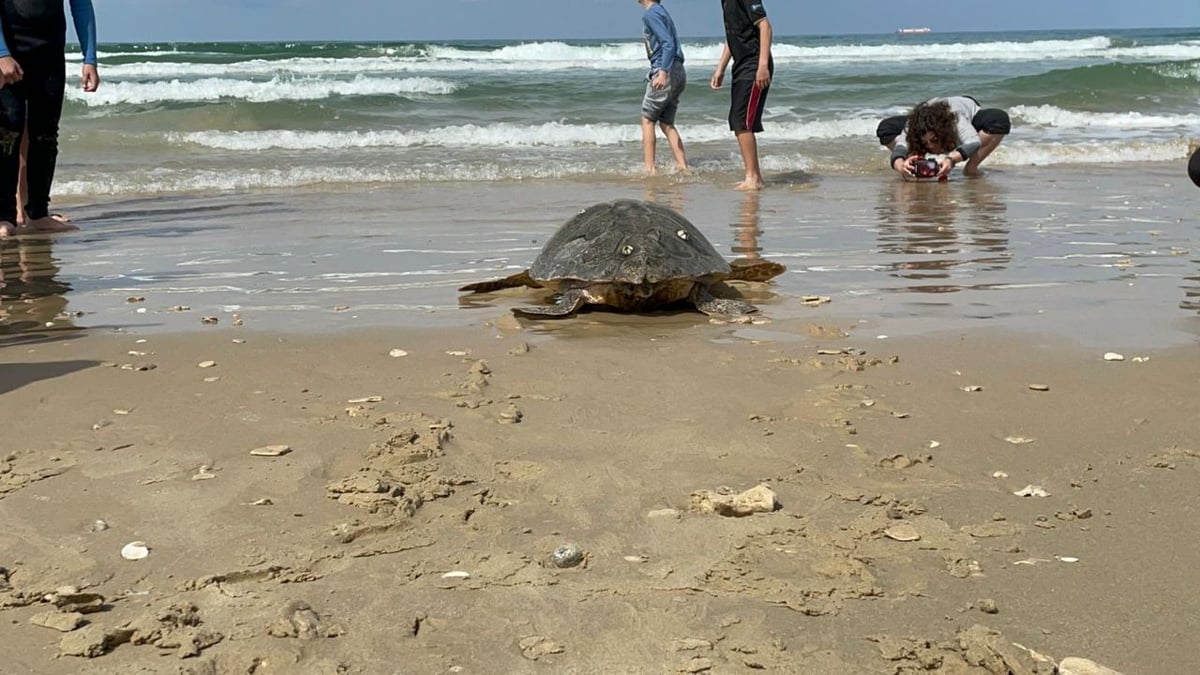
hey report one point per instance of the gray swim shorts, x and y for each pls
(660, 105)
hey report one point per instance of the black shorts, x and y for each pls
(746, 106)
(989, 120)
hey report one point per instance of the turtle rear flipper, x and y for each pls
(567, 304)
(722, 307)
(754, 269)
(515, 281)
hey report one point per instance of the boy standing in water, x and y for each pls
(664, 84)
(33, 38)
(748, 43)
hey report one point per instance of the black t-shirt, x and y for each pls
(31, 24)
(741, 34)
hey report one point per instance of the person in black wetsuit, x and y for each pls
(33, 38)
(748, 44)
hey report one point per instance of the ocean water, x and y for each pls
(212, 117)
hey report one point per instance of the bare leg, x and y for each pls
(676, 143)
(22, 179)
(748, 143)
(989, 143)
(648, 145)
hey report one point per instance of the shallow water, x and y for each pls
(1108, 258)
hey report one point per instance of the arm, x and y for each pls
(656, 22)
(722, 64)
(10, 70)
(84, 17)
(763, 77)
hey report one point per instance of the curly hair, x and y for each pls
(935, 116)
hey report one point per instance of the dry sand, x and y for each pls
(894, 547)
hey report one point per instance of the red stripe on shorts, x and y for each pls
(752, 108)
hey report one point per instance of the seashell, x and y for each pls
(1066, 558)
(457, 574)
(1040, 387)
(1018, 440)
(212, 379)
(366, 399)
(140, 310)
(204, 473)
(397, 353)
(1141, 359)
(99, 526)
(934, 444)
(456, 352)
(1113, 356)
(265, 501)
(636, 558)
(135, 550)
(1032, 491)
(903, 532)
(209, 320)
(999, 474)
(271, 451)
(206, 364)
(239, 341)
(973, 388)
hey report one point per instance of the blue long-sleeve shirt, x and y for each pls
(43, 21)
(662, 41)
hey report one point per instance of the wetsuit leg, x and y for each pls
(45, 86)
(12, 125)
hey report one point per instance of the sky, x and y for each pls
(429, 20)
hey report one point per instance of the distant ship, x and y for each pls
(913, 31)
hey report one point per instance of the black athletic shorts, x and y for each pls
(746, 106)
(1194, 167)
(990, 120)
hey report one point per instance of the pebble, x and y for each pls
(397, 353)
(265, 501)
(238, 341)
(456, 352)
(815, 300)
(212, 379)
(135, 550)
(206, 364)
(181, 308)
(988, 606)
(1066, 558)
(1018, 440)
(1040, 387)
(973, 388)
(567, 555)
(99, 526)
(64, 622)
(271, 451)
(209, 320)
(636, 558)
(1000, 474)
(135, 298)
(1113, 356)
(664, 513)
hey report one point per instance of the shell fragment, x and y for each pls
(135, 550)
(271, 451)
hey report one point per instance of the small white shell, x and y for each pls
(397, 353)
(456, 575)
(271, 451)
(135, 550)
(206, 364)
(1032, 491)
(1113, 356)
(1067, 558)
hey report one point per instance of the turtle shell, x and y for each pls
(629, 242)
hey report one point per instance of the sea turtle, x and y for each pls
(632, 256)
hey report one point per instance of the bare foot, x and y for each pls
(61, 217)
(972, 170)
(51, 224)
(649, 171)
(683, 170)
(749, 186)
(7, 229)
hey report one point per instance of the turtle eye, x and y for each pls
(682, 234)
(626, 250)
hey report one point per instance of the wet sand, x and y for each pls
(897, 543)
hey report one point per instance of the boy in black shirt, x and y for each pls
(748, 43)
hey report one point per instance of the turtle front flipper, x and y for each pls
(515, 281)
(754, 269)
(713, 306)
(567, 304)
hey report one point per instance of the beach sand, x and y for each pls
(897, 543)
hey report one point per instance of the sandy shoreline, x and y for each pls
(492, 459)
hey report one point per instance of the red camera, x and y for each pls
(925, 168)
